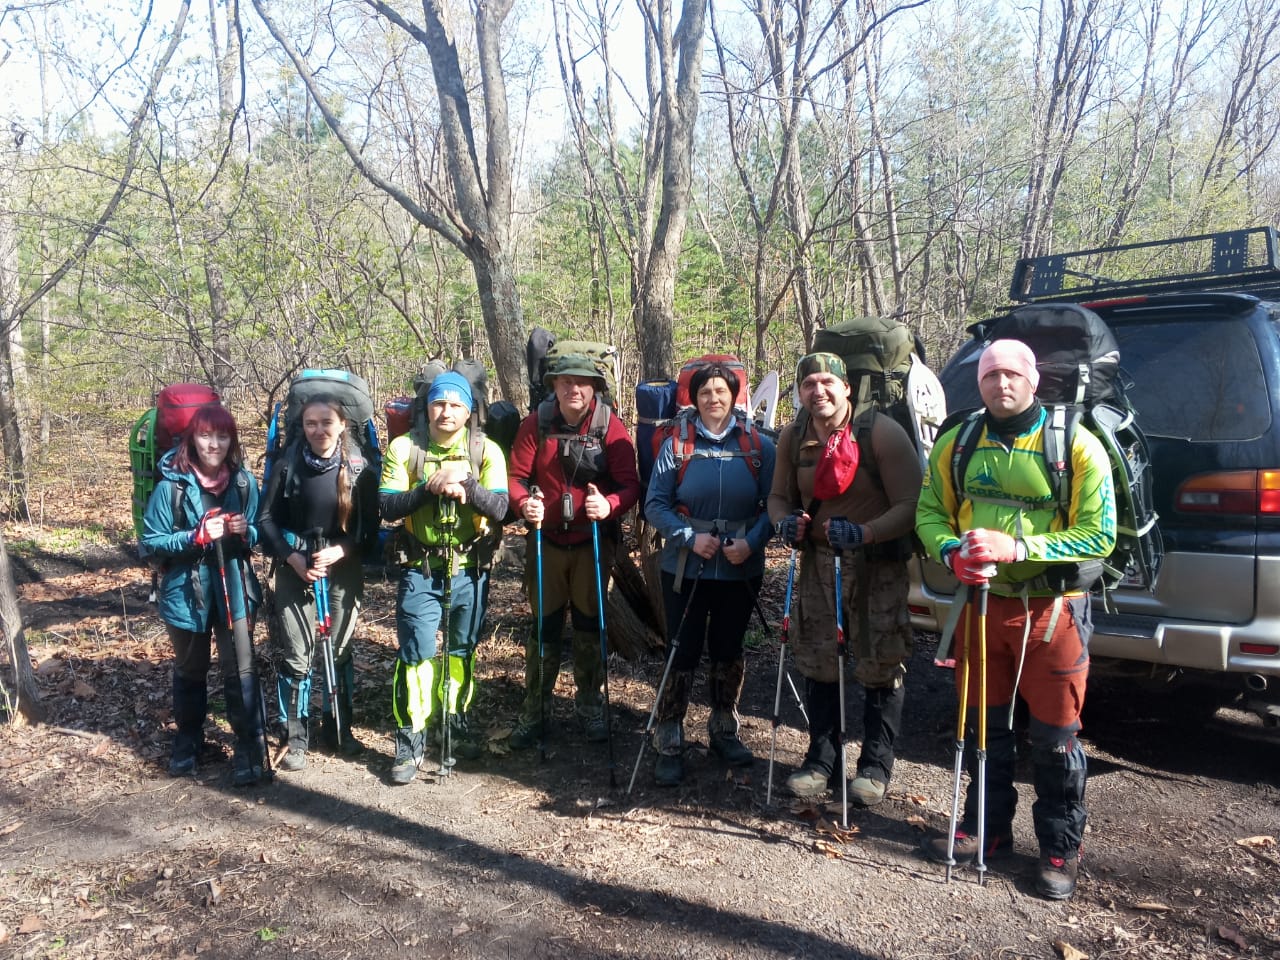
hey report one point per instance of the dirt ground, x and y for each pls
(103, 855)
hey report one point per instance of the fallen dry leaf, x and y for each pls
(5, 831)
(99, 750)
(826, 849)
(1257, 843)
(918, 822)
(1233, 936)
(82, 691)
(30, 924)
(1067, 952)
(4, 933)
(1151, 905)
(835, 831)
(915, 798)
(460, 929)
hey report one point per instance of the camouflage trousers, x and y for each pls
(880, 656)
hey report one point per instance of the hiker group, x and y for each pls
(857, 483)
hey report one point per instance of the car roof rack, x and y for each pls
(1239, 261)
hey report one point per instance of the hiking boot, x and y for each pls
(525, 736)
(668, 770)
(409, 752)
(808, 782)
(731, 750)
(246, 765)
(1056, 876)
(294, 760)
(182, 761)
(464, 744)
(867, 790)
(966, 847)
(593, 727)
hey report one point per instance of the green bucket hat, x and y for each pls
(573, 365)
(821, 363)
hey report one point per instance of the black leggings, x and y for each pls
(719, 614)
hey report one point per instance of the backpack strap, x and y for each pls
(1059, 434)
(966, 443)
(684, 443)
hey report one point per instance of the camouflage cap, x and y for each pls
(573, 365)
(821, 363)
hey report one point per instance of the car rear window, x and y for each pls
(1195, 379)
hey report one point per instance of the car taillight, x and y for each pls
(1232, 491)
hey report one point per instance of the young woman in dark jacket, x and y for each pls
(319, 503)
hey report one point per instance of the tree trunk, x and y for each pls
(504, 323)
(681, 70)
(24, 702)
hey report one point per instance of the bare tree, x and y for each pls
(472, 211)
(14, 306)
(1070, 45)
(648, 208)
(1248, 126)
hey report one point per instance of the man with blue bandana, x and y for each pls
(448, 508)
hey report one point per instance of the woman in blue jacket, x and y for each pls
(706, 497)
(203, 511)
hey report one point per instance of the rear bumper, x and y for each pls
(1166, 642)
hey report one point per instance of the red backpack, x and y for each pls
(681, 426)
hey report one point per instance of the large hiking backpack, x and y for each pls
(285, 439)
(888, 374)
(1079, 361)
(157, 432)
(667, 408)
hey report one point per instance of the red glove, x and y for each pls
(990, 546)
(201, 537)
(970, 570)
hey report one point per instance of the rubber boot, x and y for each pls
(289, 690)
(190, 706)
(821, 761)
(536, 709)
(881, 720)
(724, 687)
(588, 675)
(668, 735)
(244, 715)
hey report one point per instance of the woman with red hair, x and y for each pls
(205, 497)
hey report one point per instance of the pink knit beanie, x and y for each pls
(1012, 356)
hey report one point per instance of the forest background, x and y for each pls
(233, 192)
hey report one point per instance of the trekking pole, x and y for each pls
(449, 521)
(959, 766)
(764, 624)
(604, 650)
(980, 864)
(534, 491)
(662, 684)
(324, 627)
(840, 661)
(777, 693)
(231, 628)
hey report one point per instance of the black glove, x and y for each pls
(843, 535)
(789, 528)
